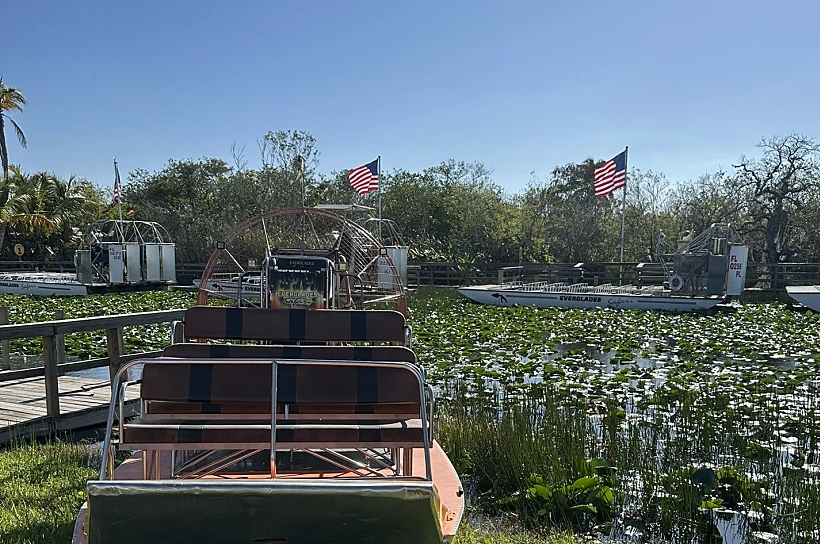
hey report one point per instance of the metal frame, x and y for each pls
(425, 396)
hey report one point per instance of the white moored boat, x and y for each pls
(41, 284)
(116, 256)
(807, 295)
(705, 270)
(583, 295)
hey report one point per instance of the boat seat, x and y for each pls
(295, 325)
(311, 390)
(230, 352)
(221, 434)
(253, 351)
(261, 410)
(333, 405)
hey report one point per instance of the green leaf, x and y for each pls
(606, 496)
(585, 508)
(582, 484)
(711, 504)
(540, 490)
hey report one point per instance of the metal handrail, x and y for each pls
(123, 370)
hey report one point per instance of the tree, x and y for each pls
(472, 212)
(11, 99)
(72, 204)
(282, 170)
(712, 198)
(647, 214)
(188, 198)
(416, 203)
(20, 195)
(775, 187)
(563, 220)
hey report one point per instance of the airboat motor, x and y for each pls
(712, 262)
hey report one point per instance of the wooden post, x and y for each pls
(50, 367)
(59, 314)
(113, 338)
(6, 349)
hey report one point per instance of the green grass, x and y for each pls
(43, 486)
(512, 535)
(41, 490)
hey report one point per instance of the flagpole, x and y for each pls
(379, 181)
(623, 213)
(119, 200)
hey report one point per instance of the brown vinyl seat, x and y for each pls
(173, 434)
(295, 325)
(328, 396)
(230, 403)
(255, 351)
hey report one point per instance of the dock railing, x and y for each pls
(54, 357)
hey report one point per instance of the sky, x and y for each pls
(521, 86)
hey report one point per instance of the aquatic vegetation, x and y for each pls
(710, 420)
(84, 345)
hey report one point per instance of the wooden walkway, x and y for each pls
(53, 400)
(83, 403)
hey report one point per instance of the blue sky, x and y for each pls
(521, 86)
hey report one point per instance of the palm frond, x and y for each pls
(11, 99)
(20, 136)
(34, 221)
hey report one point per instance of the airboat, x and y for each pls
(705, 270)
(116, 256)
(289, 407)
(807, 295)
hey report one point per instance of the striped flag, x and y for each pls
(611, 175)
(365, 178)
(117, 185)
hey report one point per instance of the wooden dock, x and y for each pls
(83, 403)
(49, 401)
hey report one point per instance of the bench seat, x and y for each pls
(175, 434)
(295, 325)
(261, 410)
(254, 351)
(312, 382)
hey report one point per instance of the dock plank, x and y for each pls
(83, 403)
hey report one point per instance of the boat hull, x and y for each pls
(496, 296)
(21, 287)
(258, 511)
(807, 295)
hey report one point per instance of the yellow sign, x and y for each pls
(19, 250)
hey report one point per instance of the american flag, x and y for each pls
(117, 185)
(611, 175)
(365, 178)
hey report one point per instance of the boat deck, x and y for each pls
(347, 426)
(447, 482)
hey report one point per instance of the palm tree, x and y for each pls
(20, 195)
(11, 99)
(68, 207)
